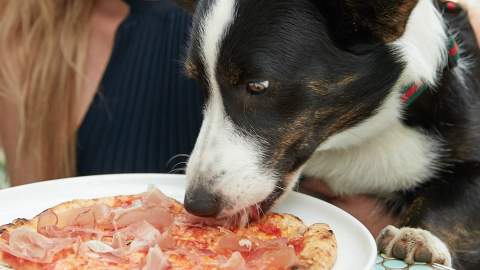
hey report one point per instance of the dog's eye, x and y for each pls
(256, 88)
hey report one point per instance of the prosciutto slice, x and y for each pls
(151, 207)
(99, 250)
(236, 262)
(136, 237)
(277, 258)
(233, 242)
(31, 246)
(158, 216)
(154, 197)
(87, 218)
(156, 260)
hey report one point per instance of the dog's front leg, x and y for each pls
(413, 245)
(440, 224)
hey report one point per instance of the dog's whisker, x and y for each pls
(180, 163)
(177, 170)
(175, 157)
(260, 210)
(246, 217)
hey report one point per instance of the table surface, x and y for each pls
(386, 263)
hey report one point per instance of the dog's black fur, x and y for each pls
(335, 71)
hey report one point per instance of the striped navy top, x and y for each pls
(145, 111)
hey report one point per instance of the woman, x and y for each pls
(90, 87)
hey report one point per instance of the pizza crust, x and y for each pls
(320, 248)
(290, 225)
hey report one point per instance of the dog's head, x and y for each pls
(282, 79)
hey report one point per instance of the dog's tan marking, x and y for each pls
(319, 87)
(322, 87)
(299, 132)
(395, 22)
(344, 120)
(191, 69)
(414, 211)
(391, 18)
(295, 133)
(346, 80)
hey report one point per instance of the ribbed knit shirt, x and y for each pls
(145, 111)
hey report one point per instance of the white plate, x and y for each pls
(356, 247)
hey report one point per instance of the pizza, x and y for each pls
(152, 231)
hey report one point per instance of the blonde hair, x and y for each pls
(43, 45)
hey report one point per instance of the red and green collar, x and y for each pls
(412, 91)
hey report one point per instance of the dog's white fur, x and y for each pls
(398, 159)
(224, 158)
(424, 44)
(381, 154)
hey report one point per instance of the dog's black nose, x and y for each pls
(203, 203)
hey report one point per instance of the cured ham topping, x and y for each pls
(154, 197)
(158, 216)
(32, 246)
(96, 216)
(72, 232)
(236, 262)
(119, 240)
(233, 242)
(46, 219)
(143, 231)
(99, 250)
(152, 207)
(98, 246)
(166, 241)
(275, 253)
(156, 260)
(280, 258)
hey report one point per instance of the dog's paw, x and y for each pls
(413, 245)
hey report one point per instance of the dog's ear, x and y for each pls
(367, 21)
(188, 5)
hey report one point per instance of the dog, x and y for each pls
(361, 94)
